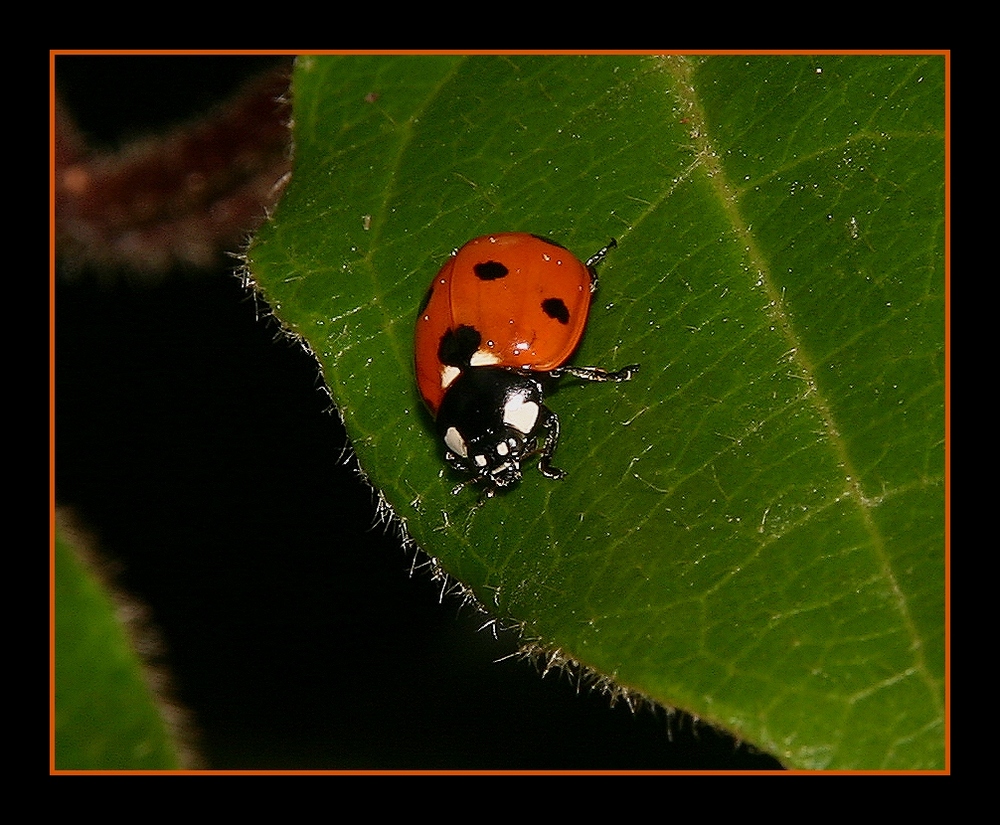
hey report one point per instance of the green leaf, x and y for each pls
(106, 717)
(752, 529)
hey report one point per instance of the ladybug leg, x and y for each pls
(485, 492)
(462, 466)
(595, 259)
(550, 424)
(596, 373)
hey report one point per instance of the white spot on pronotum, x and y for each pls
(520, 414)
(448, 376)
(483, 358)
(453, 441)
(502, 448)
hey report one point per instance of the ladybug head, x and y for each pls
(494, 462)
(488, 421)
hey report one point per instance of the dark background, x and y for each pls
(195, 443)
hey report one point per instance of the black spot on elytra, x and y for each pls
(458, 345)
(555, 308)
(490, 270)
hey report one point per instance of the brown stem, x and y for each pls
(186, 197)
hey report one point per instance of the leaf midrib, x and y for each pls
(681, 70)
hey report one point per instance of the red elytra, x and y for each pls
(525, 296)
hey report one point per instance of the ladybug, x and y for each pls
(501, 318)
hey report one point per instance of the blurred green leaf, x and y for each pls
(753, 528)
(106, 718)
